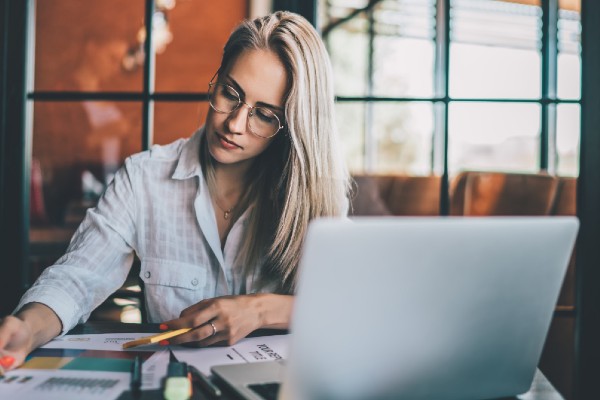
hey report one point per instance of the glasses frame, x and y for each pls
(251, 109)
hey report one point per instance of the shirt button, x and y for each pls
(147, 274)
(195, 282)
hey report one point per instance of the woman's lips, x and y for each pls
(228, 144)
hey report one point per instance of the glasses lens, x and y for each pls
(264, 122)
(223, 98)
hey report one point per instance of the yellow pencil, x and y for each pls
(155, 338)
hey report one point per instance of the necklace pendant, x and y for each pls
(226, 214)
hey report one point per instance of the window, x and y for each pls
(501, 93)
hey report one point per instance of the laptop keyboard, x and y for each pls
(267, 391)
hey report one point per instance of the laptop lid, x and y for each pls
(422, 308)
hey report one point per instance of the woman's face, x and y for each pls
(260, 79)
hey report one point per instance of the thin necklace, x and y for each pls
(226, 213)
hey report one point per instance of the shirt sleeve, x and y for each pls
(97, 260)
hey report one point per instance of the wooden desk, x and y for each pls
(541, 388)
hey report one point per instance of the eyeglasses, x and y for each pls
(224, 99)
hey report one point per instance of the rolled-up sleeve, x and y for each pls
(98, 258)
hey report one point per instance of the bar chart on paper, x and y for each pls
(89, 368)
(62, 384)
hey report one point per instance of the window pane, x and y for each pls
(494, 136)
(348, 45)
(77, 148)
(495, 49)
(177, 120)
(189, 40)
(404, 51)
(348, 50)
(80, 45)
(568, 130)
(351, 121)
(403, 134)
(569, 50)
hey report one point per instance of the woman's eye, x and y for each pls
(265, 115)
(229, 93)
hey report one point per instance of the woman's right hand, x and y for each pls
(16, 341)
(34, 325)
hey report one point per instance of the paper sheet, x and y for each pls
(104, 341)
(154, 370)
(30, 384)
(249, 350)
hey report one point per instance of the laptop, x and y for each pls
(417, 308)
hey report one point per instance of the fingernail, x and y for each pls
(164, 342)
(163, 327)
(7, 361)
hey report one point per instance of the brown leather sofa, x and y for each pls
(395, 195)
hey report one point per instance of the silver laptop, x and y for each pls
(418, 308)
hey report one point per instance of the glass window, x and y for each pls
(494, 136)
(569, 50)
(86, 56)
(349, 50)
(77, 148)
(175, 120)
(351, 124)
(189, 38)
(403, 134)
(495, 49)
(568, 129)
(404, 50)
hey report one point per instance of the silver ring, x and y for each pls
(214, 332)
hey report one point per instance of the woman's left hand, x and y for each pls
(230, 318)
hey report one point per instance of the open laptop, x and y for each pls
(418, 308)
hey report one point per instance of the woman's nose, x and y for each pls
(238, 120)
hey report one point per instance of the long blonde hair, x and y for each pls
(301, 175)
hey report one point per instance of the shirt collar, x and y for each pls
(188, 165)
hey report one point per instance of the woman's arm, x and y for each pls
(233, 318)
(34, 325)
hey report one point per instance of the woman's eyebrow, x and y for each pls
(237, 87)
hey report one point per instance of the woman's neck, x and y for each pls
(231, 180)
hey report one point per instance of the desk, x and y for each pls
(541, 388)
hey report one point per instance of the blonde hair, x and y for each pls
(301, 175)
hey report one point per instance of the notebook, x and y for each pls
(417, 308)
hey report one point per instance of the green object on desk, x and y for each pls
(177, 384)
(136, 375)
(177, 388)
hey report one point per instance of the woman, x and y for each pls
(217, 220)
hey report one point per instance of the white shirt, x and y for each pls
(159, 207)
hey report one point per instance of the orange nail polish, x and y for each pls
(163, 327)
(164, 342)
(7, 361)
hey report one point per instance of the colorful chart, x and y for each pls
(83, 360)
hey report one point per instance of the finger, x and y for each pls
(220, 339)
(6, 362)
(198, 334)
(192, 320)
(177, 323)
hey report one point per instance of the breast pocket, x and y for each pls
(171, 286)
